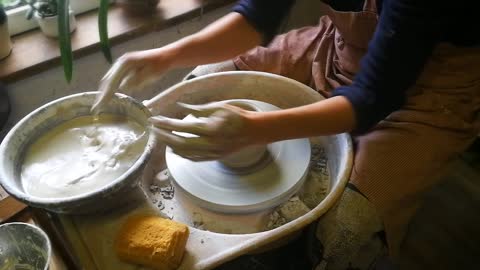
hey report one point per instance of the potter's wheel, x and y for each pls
(251, 180)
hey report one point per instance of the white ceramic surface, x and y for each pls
(49, 25)
(271, 181)
(206, 249)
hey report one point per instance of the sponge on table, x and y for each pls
(152, 241)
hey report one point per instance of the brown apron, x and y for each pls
(408, 151)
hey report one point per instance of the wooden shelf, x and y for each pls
(33, 52)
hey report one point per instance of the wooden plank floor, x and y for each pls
(445, 233)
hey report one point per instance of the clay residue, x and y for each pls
(311, 194)
(81, 155)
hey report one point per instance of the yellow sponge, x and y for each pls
(152, 241)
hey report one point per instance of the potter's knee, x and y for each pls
(352, 213)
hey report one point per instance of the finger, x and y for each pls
(110, 83)
(179, 143)
(178, 125)
(127, 84)
(196, 155)
(147, 76)
(203, 110)
(170, 139)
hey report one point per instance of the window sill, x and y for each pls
(33, 52)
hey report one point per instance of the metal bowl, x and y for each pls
(24, 246)
(52, 114)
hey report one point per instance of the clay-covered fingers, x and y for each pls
(138, 78)
(194, 148)
(194, 156)
(203, 110)
(195, 127)
(110, 83)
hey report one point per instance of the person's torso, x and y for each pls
(457, 21)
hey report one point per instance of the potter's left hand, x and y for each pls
(217, 130)
(132, 72)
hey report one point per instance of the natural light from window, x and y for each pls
(16, 11)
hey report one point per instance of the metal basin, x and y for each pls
(24, 246)
(50, 115)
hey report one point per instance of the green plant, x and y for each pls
(65, 37)
(43, 8)
(48, 8)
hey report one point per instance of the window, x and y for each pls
(18, 23)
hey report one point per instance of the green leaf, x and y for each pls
(64, 38)
(103, 29)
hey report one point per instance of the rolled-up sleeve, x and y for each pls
(264, 15)
(404, 40)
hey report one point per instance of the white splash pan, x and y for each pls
(206, 250)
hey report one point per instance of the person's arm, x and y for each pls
(403, 41)
(250, 23)
(406, 35)
(331, 116)
(222, 40)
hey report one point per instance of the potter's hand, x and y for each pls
(131, 72)
(216, 130)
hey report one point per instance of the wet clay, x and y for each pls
(81, 155)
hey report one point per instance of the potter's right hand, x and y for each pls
(131, 72)
(218, 129)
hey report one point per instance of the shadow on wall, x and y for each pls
(4, 105)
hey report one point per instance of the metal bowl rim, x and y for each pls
(53, 203)
(38, 230)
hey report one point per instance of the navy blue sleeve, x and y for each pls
(403, 41)
(264, 15)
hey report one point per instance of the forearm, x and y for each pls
(331, 116)
(224, 39)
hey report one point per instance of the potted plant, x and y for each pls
(64, 37)
(46, 15)
(63, 23)
(5, 42)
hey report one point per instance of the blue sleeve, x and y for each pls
(264, 15)
(403, 41)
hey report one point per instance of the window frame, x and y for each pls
(18, 23)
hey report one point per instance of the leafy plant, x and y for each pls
(49, 8)
(43, 8)
(65, 38)
(103, 29)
